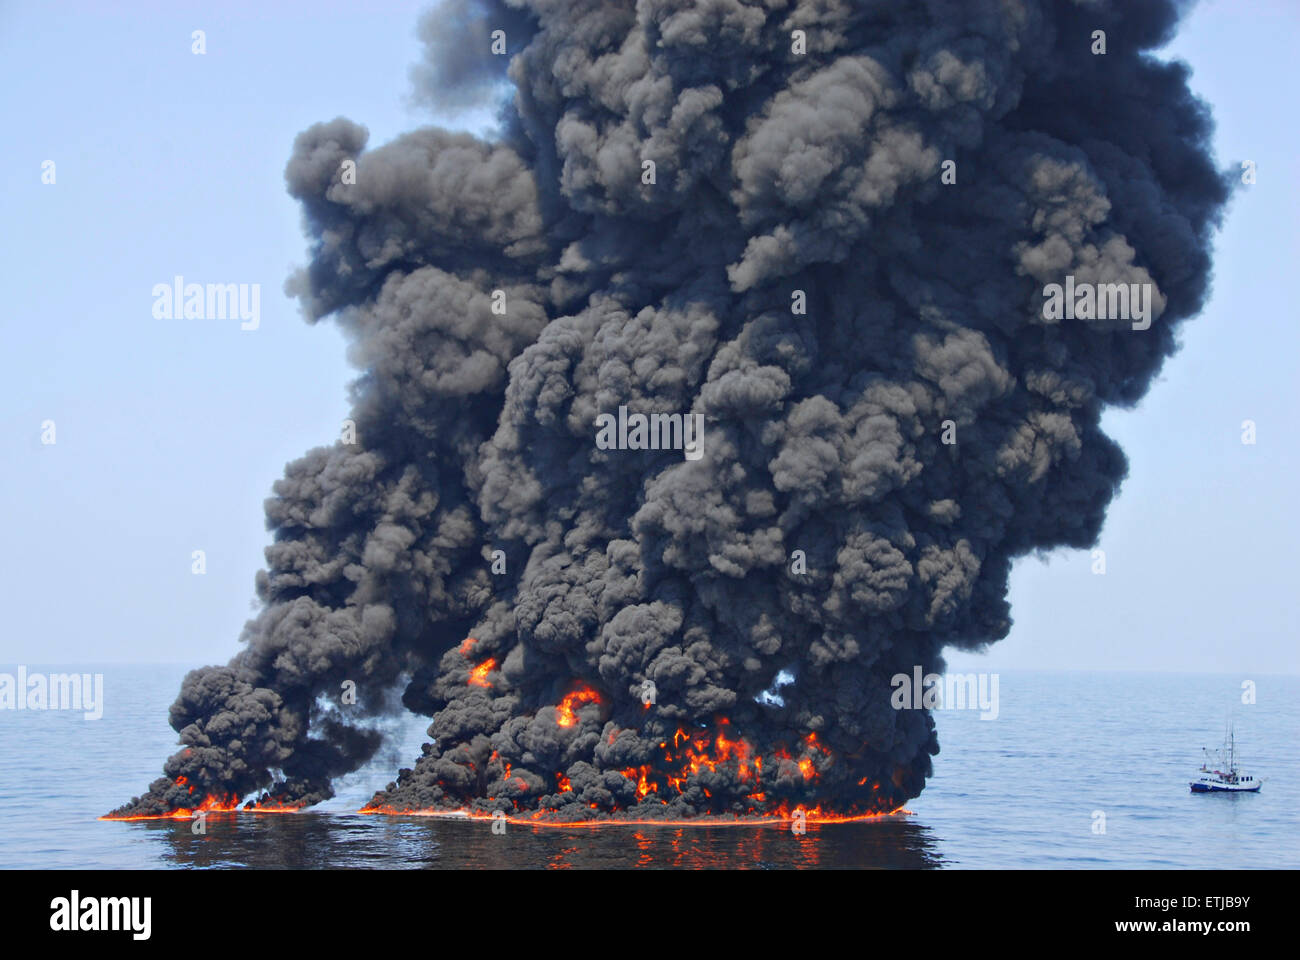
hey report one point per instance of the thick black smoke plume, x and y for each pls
(501, 295)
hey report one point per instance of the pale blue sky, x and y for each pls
(170, 433)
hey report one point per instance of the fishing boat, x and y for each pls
(1224, 776)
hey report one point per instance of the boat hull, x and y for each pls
(1198, 787)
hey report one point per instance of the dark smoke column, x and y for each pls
(825, 227)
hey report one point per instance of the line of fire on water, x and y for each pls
(812, 817)
(208, 806)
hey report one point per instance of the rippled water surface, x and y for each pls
(1067, 753)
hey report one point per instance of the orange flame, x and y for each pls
(643, 788)
(564, 713)
(478, 676)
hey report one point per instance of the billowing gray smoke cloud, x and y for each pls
(774, 172)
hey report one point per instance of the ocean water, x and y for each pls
(1067, 753)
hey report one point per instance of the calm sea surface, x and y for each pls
(1024, 790)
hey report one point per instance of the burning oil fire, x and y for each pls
(698, 763)
(227, 803)
(546, 818)
(712, 772)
